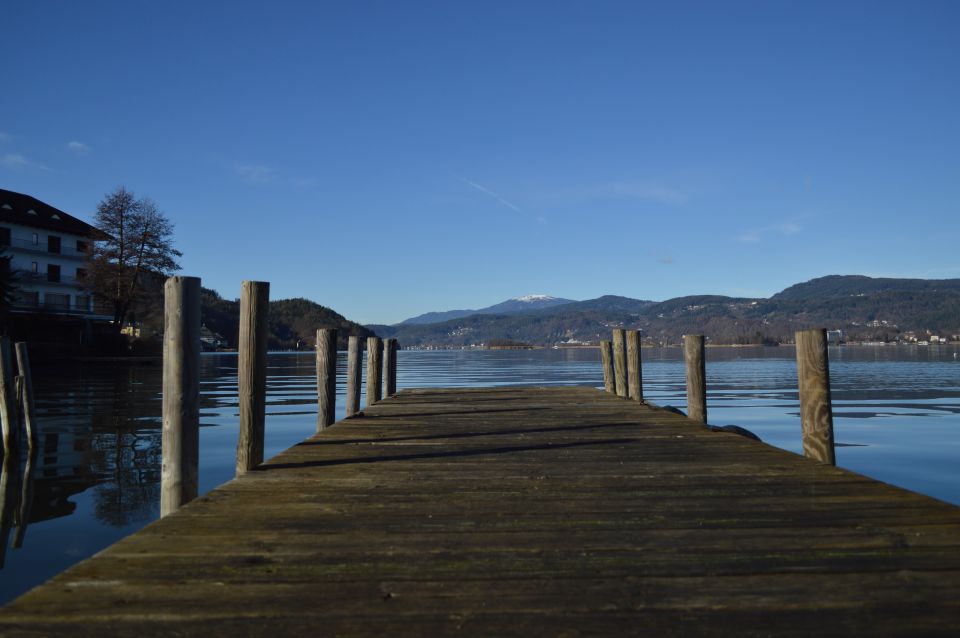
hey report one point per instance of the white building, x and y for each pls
(48, 251)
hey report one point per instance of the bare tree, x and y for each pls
(140, 245)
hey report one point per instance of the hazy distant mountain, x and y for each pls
(863, 307)
(525, 303)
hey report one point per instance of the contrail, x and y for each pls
(489, 192)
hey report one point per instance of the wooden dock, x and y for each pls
(518, 512)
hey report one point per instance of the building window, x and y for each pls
(34, 266)
(83, 303)
(36, 239)
(4, 236)
(28, 298)
(56, 301)
(53, 273)
(81, 274)
(53, 244)
(81, 246)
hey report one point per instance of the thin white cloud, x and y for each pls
(484, 189)
(755, 235)
(17, 162)
(255, 173)
(78, 147)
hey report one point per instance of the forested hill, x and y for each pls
(291, 321)
(864, 308)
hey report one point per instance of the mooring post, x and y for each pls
(696, 377)
(389, 367)
(374, 370)
(353, 376)
(634, 365)
(252, 373)
(620, 361)
(326, 377)
(26, 401)
(181, 393)
(9, 414)
(816, 412)
(606, 360)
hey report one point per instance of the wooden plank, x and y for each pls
(523, 511)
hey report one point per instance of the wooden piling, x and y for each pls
(252, 372)
(181, 393)
(9, 414)
(26, 401)
(606, 360)
(620, 361)
(26, 497)
(374, 370)
(696, 377)
(389, 367)
(326, 377)
(816, 412)
(353, 376)
(634, 365)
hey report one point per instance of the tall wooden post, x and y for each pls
(634, 366)
(252, 373)
(620, 361)
(606, 360)
(326, 377)
(353, 376)
(374, 369)
(816, 412)
(389, 367)
(9, 414)
(696, 377)
(181, 393)
(26, 402)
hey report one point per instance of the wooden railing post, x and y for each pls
(816, 412)
(389, 367)
(9, 414)
(374, 369)
(696, 377)
(181, 393)
(26, 402)
(353, 376)
(326, 377)
(620, 361)
(606, 360)
(252, 373)
(634, 365)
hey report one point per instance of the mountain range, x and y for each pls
(865, 308)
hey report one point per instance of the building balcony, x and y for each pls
(63, 308)
(40, 279)
(27, 246)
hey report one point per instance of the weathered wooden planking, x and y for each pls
(523, 511)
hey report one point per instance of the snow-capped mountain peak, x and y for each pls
(529, 298)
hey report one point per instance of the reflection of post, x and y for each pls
(26, 402)
(816, 411)
(353, 376)
(696, 377)
(606, 360)
(26, 498)
(181, 393)
(326, 377)
(252, 372)
(8, 398)
(374, 370)
(9, 495)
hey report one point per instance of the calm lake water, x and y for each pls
(96, 480)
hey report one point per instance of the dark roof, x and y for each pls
(15, 207)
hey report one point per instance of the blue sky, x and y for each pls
(391, 158)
